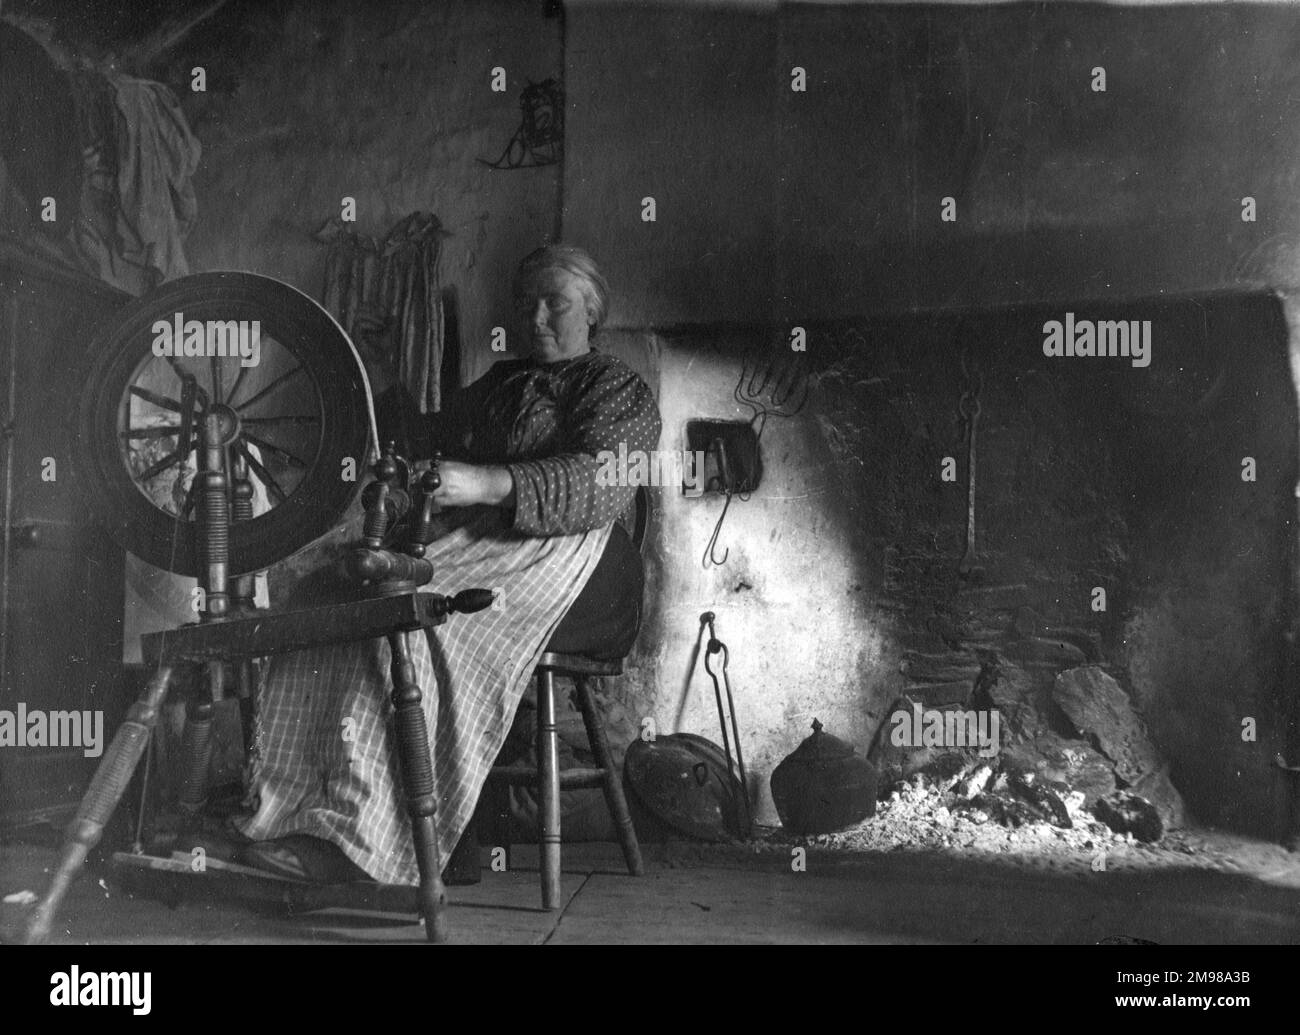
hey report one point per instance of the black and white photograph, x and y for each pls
(647, 473)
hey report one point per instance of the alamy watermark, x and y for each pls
(36, 727)
(654, 467)
(934, 727)
(1101, 338)
(130, 988)
(197, 338)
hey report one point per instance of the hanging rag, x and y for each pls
(137, 195)
(387, 295)
(114, 155)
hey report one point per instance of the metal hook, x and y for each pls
(709, 552)
(716, 646)
(798, 382)
(743, 401)
(787, 381)
(759, 368)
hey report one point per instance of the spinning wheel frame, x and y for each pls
(331, 373)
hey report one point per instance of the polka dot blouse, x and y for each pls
(548, 424)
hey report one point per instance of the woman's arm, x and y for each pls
(565, 493)
(464, 485)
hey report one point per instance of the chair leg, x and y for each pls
(97, 805)
(548, 784)
(247, 682)
(417, 780)
(505, 820)
(613, 785)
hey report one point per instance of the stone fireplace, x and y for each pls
(1133, 530)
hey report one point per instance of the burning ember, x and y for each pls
(1075, 775)
(932, 813)
(972, 805)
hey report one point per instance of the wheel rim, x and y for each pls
(298, 417)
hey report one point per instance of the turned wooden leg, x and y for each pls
(416, 762)
(196, 741)
(97, 805)
(548, 790)
(613, 783)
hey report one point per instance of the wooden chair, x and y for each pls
(547, 776)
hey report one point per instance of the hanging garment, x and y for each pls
(137, 198)
(387, 295)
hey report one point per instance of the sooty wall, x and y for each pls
(842, 582)
(776, 208)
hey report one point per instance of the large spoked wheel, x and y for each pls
(300, 418)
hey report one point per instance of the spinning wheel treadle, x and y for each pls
(294, 417)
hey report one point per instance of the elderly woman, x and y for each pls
(527, 518)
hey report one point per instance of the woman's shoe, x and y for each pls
(305, 858)
(230, 830)
(218, 838)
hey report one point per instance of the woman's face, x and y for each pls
(553, 315)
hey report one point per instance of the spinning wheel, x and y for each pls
(295, 411)
(224, 422)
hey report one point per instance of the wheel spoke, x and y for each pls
(295, 419)
(189, 390)
(164, 431)
(191, 497)
(283, 454)
(161, 401)
(270, 388)
(234, 389)
(153, 471)
(263, 475)
(217, 391)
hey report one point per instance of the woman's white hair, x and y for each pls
(573, 260)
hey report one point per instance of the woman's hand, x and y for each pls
(465, 485)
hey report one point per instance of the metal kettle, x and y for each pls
(823, 785)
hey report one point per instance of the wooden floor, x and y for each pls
(699, 894)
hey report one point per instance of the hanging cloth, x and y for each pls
(388, 296)
(137, 199)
